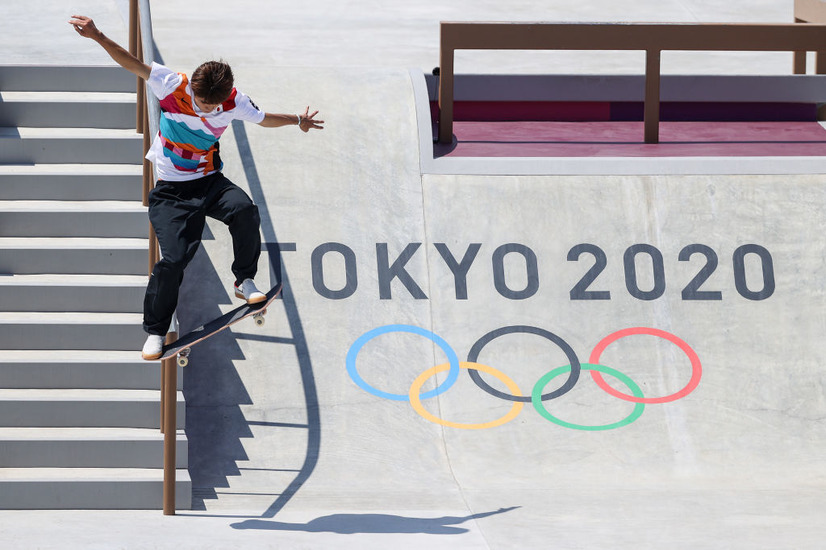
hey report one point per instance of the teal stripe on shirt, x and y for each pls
(178, 132)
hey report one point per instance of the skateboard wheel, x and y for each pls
(259, 319)
(183, 357)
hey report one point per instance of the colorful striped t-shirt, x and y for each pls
(186, 146)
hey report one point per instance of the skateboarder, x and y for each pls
(194, 113)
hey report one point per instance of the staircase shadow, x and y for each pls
(214, 390)
(212, 387)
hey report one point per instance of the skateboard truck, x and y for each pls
(183, 355)
(181, 348)
(259, 318)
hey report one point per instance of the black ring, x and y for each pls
(473, 355)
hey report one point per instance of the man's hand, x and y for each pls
(308, 122)
(85, 27)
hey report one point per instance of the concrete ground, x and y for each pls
(302, 434)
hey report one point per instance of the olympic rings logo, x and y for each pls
(537, 397)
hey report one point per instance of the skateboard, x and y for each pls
(184, 344)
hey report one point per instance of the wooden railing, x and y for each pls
(141, 45)
(652, 38)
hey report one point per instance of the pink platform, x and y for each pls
(625, 139)
(607, 129)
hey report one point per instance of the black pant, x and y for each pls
(178, 213)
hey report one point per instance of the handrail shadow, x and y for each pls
(293, 318)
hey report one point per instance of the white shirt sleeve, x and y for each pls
(245, 109)
(163, 80)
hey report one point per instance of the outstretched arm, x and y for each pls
(306, 121)
(86, 27)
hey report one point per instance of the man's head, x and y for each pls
(211, 84)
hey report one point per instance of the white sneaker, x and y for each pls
(153, 348)
(249, 292)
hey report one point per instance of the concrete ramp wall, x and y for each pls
(675, 323)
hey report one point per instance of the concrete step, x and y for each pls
(98, 182)
(90, 488)
(79, 369)
(87, 448)
(71, 330)
(70, 145)
(111, 256)
(93, 408)
(68, 109)
(80, 78)
(73, 219)
(78, 293)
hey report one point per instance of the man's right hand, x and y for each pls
(85, 27)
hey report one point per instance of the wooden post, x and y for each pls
(142, 126)
(163, 394)
(169, 402)
(799, 65)
(652, 97)
(446, 56)
(134, 27)
(148, 180)
(820, 63)
(136, 50)
(148, 184)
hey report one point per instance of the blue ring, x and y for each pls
(453, 359)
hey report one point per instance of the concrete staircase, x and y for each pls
(79, 409)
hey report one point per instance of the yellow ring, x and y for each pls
(416, 402)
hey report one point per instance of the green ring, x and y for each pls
(536, 398)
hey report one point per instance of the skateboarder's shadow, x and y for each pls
(348, 524)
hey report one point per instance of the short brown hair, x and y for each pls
(212, 82)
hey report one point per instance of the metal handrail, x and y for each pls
(141, 44)
(653, 38)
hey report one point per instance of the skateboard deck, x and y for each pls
(182, 346)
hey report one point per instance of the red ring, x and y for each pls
(696, 367)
